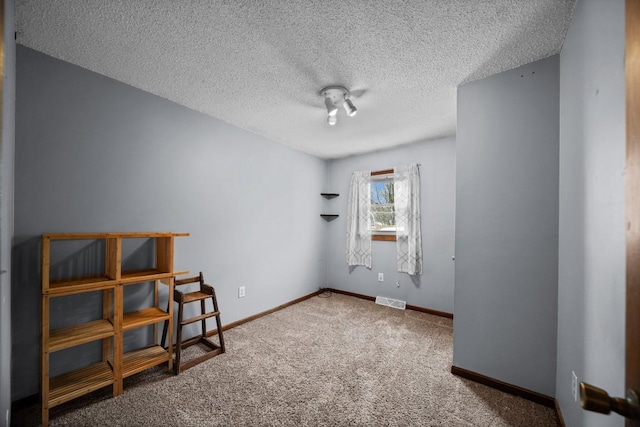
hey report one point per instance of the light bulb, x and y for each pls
(332, 119)
(349, 108)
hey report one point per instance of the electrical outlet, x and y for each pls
(574, 386)
(380, 277)
(241, 292)
(397, 283)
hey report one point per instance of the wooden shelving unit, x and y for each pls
(115, 365)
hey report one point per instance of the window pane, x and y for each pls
(382, 213)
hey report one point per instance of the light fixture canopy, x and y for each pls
(332, 109)
(335, 96)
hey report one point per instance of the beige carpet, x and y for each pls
(327, 361)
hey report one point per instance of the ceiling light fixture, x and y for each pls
(334, 96)
(349, 107)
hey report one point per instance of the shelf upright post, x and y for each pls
(164, 254)
(164, 263)
(44, 360)
(114, 271)
(113, 257)
(107, 314)
(44, 336)
(46, 263)
(156, 302)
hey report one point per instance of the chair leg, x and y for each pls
(218, 322)
(204, 321)
(165, 327)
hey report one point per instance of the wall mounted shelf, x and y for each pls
(329, 217)
(329, 195)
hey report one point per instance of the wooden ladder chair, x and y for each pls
(205, 292)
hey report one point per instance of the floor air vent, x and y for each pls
(395, 303)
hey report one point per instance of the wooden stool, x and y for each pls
(205, 292)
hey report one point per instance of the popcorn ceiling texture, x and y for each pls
(260, 65)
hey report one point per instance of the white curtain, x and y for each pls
(359, 220)
(406, 189)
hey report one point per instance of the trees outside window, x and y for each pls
(383, 219)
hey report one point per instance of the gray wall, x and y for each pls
(434, 288)
(591, 288)
(6, 209)
(94, 154)
(507, 226)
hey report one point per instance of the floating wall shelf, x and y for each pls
(329, 195)
(329, 217)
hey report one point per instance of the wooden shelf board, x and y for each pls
(147, 316)
(125, 235)
(75, 236)
(98, 283)
(76, 285)
(139, 360)
(79, 334)
(74, 384)
(139, 276)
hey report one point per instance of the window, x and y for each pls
(383, 217)
(385, 208)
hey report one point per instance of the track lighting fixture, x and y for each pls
(349, 108)
(334, 96)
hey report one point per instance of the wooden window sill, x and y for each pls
(384, 237)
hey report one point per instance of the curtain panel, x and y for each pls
(359, 220)
(406, 183)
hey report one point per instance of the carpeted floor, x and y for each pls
(327, 361)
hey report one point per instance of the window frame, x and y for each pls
(384, 236)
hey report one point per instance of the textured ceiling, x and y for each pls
(259, 65)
